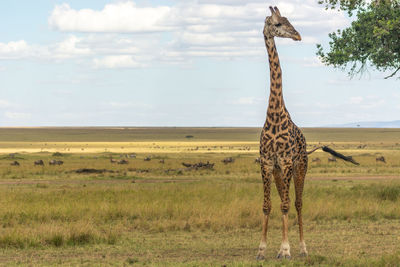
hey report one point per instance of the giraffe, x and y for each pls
(283, 152)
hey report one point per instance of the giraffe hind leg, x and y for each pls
(299, 177)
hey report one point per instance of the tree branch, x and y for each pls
(394, 73)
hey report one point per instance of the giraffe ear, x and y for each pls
(277, 11)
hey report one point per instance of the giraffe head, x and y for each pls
(278, 26)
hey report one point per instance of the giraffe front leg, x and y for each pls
(284, 251)
(266, 171)
(287, 169)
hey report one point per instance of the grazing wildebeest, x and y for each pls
(162, 161)
(187, 165)
(15, 163)
(38, 162)
(123, 161)
(228, 160)
(200, 165)
(147, 159)
(381, 158)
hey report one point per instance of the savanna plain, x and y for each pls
(123, 197)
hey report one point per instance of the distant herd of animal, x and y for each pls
(54, 162)
(333, 159)
(40, 162)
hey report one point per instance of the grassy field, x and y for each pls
(151, 134)
(163, 214)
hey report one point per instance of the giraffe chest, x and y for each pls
(277, 140)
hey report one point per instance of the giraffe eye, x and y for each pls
(278, 25)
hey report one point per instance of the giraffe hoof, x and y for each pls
(303, 254)
(281, 256)
(260, 257)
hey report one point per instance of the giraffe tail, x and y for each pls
(335, 154)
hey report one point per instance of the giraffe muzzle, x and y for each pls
(296, 37)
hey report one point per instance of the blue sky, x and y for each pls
(173, 63)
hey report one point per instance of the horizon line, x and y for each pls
(103, 126)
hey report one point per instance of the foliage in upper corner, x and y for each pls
(346, 5)
(373, 38)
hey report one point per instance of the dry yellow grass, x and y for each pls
(129, 147)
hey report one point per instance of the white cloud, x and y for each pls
(206, 39)
(226, 29)
(5, 104)
(247, 101)
(115, 62)
(306, 61)
(373, 104)
(14, 50)
(70, 47)
(128, 105)
(368, 102)
(73, 47)
(312, 62)
(356, 100)
(116, 17)
(17, 115)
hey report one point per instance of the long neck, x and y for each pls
(276, 103)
